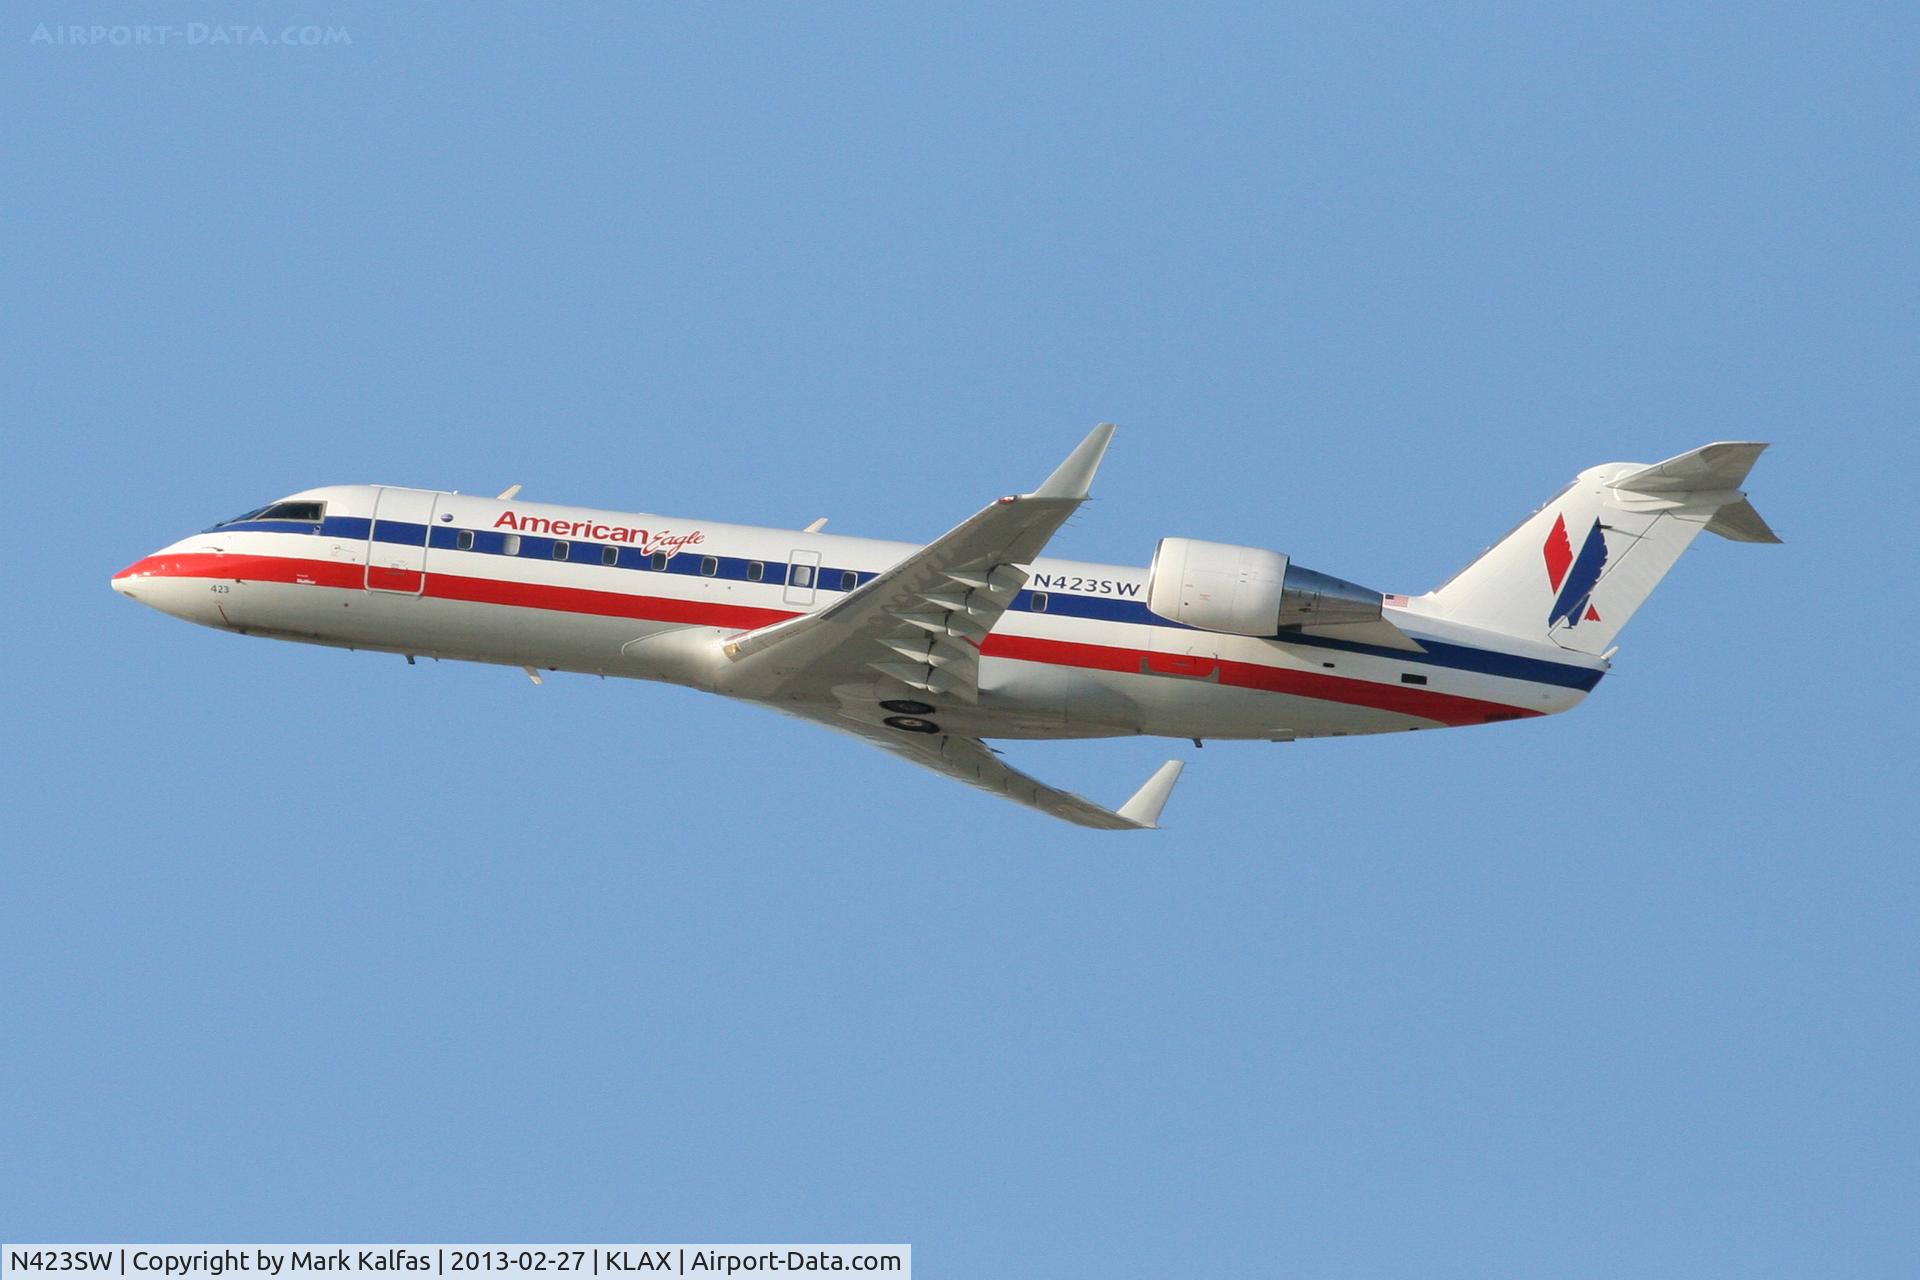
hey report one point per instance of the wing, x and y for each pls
(921, 622)
(976, 764)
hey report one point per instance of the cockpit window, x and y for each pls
(306, 512)
(303, 512)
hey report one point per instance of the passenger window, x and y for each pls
(561, 550)
(708, 566)
(609, 555)
(509, 544)
(463, 540)
(1039, 602)
(802, 575)
(849, 580)
(658, 559)
(755, 571)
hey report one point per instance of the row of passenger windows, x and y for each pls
(801, 576)
(709, 565)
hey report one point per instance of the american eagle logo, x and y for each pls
(1574, 577)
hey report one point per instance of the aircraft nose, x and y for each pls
(129, 580)
(124, 580)
(153, 581)
(175, 581)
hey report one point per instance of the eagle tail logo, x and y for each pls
(1573, 576)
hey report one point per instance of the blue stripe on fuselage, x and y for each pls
(1438, 653)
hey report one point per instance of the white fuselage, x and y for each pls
(557, 588)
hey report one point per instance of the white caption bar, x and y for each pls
(464, 1261)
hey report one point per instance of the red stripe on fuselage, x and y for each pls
(451, 586)
(1446, 708)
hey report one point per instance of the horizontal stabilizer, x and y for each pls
(1719, 466)
(1712, 475)
(1739, 522)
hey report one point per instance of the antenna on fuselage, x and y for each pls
(816, 526)
(511, 491)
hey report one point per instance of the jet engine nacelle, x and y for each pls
(1245, 591)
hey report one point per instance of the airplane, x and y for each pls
(929, 651)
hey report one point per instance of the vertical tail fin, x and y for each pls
(1578, 568)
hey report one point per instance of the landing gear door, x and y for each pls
(397, 540)
(1178, 651)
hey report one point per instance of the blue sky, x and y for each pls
(306, 945)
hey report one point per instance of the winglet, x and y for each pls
(1144, 809)
(1074, 477)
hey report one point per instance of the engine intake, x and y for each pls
(1245, 591)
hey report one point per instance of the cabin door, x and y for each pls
(803, 577)
(397, 541)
